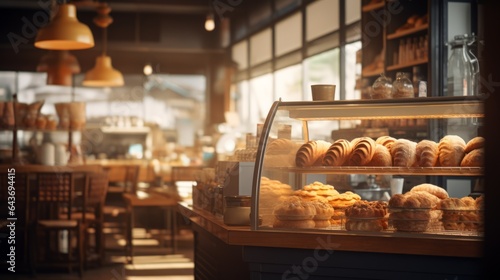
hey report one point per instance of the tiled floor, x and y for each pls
(151, 261)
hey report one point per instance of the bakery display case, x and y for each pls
(292, 181)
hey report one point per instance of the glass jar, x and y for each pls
(381, 88)
(459, 79)
(402, 86)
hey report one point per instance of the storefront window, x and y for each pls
(261, 98)
(288, 85)
(352, 71)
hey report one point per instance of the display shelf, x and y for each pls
(407, 64)
(412, 108)
(386, 170)
(372, 73)
(374, 6)
(407, 32)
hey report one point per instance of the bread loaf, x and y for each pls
(311, 153)
(451, 150)
(362, 152)
(432, 189)
(427, 153)
(473, 159)
(381, 157)
(403, 153)
(338, 153)
(474, 143)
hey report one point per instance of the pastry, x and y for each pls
(475, 158)
(451, 150)
(381, 157)
(427, 153)
(311, 153)
(322, 223)
(338, 153)
(474, 143)
(403, 153)
(362, 152)
(293, 208)
(387, 141)
(432, 189)
(366, 209)
(378, 224)
(324, 210)
(414, 199)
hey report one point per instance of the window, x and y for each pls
(288, 83)
(322, 68)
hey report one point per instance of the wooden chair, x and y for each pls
(54, 195)
(89, 212)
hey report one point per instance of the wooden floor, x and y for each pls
(151, 261)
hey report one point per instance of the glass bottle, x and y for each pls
(381, 88)
(402, 86)
(459, 78)
(475, 66)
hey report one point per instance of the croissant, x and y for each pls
(432, 189)
(362, 152)
(451, 150)
(338, 153)
(381, 157)
(403, 153)
(427, 153)
(311, 153)
(387, 141)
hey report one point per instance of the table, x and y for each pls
(149, 199)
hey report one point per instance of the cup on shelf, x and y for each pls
(397, 186)
(323, 92)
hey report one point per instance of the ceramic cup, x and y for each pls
(323, 92)
(397, 185)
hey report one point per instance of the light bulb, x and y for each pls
(209, 22)
(148, 69)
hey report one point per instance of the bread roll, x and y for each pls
(381, 157)
(427, 153)
(403, 153)
(362, 152)
(474, 143)
(338, 153)
(432, 189)
(451, 150)
(473, 159)
(311, 153)
(387, 141)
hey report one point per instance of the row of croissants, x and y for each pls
(450, 151)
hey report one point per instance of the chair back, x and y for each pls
(54, 194)
(96, 189)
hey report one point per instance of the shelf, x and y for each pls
(371, 7)
(372, 73)
(441, 171)
(407, 32)
(125, 130)
(411, 108)
(408, 64)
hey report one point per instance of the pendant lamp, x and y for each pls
(60, 67)
(103, 74)
(65, 32)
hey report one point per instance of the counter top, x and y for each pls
(397, 243)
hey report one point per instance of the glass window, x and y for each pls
(288, 34)
(240, 54)
(322, 17)
(322, 68)
(288, 83)
(352, 71)
(261, 98)
(260, 47)
(352, 11)
(242, 105)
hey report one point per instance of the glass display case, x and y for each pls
(292, 169)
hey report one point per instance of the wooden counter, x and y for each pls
(397, 243)
(270, 254)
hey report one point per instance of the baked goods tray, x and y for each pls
(391, 170)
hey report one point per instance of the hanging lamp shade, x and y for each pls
(60, 67)
(103, 74)
(65, 32)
